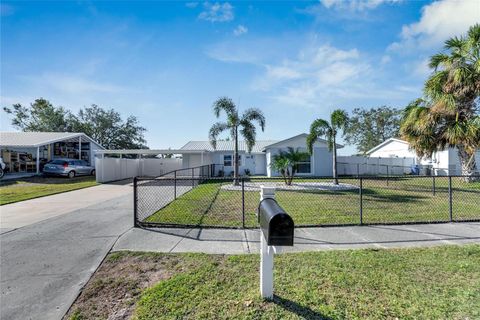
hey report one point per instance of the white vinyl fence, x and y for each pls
(358, 165)
(113, 169)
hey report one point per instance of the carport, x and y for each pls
(113, 165)
(27, 152)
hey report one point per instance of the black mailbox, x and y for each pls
(276, 225)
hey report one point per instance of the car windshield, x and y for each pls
(62, 162)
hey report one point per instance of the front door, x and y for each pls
(249, 163)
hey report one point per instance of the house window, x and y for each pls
(227, 160)
(304, 166)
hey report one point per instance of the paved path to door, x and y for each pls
(45, 264)
(306, 239)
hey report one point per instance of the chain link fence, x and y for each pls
(201, 200)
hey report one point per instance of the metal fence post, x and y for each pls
(387, 175)
(175, 185)
(433, 184)
(193, 181)
(361, 200)
(135, 203)
(450, 198)
(243, 203)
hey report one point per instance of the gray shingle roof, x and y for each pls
(35, 139)
(227, 145)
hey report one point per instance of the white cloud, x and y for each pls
(318, 74)
(386, 59)
(217, 12)
(421, 68)
(356, 5)
(71, 83)
(191, 5)
(440, 20)
(239, 30)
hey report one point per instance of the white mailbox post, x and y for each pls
(276, 230)
(266, 254)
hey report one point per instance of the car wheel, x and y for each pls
(93, 172)
(2, 173)
(71, 174)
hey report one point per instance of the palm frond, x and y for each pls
(215, 130)
(227, 105)
(339, 119)
(319, 128)
(249, 133)
(254, 114)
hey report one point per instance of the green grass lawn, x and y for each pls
(394, 201)
(428, 283)
(29, 188)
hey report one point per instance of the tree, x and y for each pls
(286, 162)
(448, 115)
(234, 123)
(323, 128)
(108, 128)
(104, 126)
(41, 115)
(369, 127)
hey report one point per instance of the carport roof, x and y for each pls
(149, 151)
(36, 139)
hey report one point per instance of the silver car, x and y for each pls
(68, 167)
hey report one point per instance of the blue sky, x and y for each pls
(166, 62)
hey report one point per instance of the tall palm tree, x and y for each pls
(448, 115)
(323, 128)
(234, 123)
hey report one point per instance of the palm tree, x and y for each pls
(286, 162)
(234, 123)
(448, 115)
(323, 128)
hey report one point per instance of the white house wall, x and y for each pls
(254, 165)
(321, 160)
(394, 149)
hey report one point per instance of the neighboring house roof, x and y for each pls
(226, 146)
(384, 143)
(301, 135)
(36, 139)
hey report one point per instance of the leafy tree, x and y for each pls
(234, 123)
(108, 128)
(286, 162)
(104, 126)
(329, 130)
(448, 115)
(370, 127)
(41, 115)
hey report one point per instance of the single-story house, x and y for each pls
(442, 161)
(258, 161)
(28, 151)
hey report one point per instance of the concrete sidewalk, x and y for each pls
(306, 239)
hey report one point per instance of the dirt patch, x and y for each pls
(112, 291)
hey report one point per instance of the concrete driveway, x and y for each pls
(28, 212)
(58, 243)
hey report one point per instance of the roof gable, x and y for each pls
(298, 136)
(384, 143)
